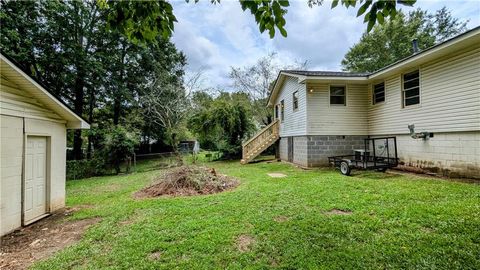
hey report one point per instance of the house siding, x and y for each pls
(449, 108)
(294, 123)
(15, 102)
(21, 116)
(326, 119)
(11, 150)
(449, 99)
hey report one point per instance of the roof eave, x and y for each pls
(73, 120)
(334, 78)
(469, 38)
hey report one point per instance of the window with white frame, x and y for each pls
(295, 100)
(411, 88)
(378, 93)
(337, 95)
(276, 111)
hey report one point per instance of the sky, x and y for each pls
(215, 37)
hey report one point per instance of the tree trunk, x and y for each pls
(91, 102)
(78, 104)
(117, 106)
(116, 109)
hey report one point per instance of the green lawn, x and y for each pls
(397, 221)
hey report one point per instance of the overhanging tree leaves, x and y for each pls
(392, 41)
(143, 21)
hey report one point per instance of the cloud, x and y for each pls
(216, 37)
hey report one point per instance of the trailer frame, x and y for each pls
(366, 161)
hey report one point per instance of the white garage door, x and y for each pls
(35, 199)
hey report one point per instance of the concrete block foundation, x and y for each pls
(452, 154)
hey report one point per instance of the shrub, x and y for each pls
(78, 169)
(119, 145)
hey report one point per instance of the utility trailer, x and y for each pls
(378, 154)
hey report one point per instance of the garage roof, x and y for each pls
(12, 70)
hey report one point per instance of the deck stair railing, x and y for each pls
(260, 142)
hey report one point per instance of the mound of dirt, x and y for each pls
(188, 181)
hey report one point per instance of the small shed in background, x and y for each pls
(191, 146)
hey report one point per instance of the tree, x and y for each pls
(167, 105)
(256, 81)
(392, 41)
(119, 145)
(62, 31)
(67, 46)
(143, 21)
(222, 123)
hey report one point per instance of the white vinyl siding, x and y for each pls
(326, 119)
(294, 123)
(449, 98)
(15, 102)
(11, 150)
(22, 116)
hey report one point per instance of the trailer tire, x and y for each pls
(345, 168)
(382, 170)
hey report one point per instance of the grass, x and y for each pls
(396, 221)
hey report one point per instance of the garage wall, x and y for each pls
(57, 156)
(12, 140)
(11, 149)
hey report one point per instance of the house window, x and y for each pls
(411, 88)
(295, 100)
(276, 111)
(337, 95)
(378, 93)
(282, 109)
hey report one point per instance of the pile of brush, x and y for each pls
(187, 181)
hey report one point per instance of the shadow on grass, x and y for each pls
(374, 175)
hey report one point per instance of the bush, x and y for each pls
(119, 146)
(78, 169)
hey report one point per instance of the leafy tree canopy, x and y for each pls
(68, 46)
(142, 21)
(392, 41)
(223, 122)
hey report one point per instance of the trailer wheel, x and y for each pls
(382, 170)
(345, 168)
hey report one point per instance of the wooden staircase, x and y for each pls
(261, 141)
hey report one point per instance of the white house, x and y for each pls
(33, 148)
(323, 114)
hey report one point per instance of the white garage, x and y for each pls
(32, 147)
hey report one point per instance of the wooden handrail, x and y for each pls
(260, 141)
(260, 132)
